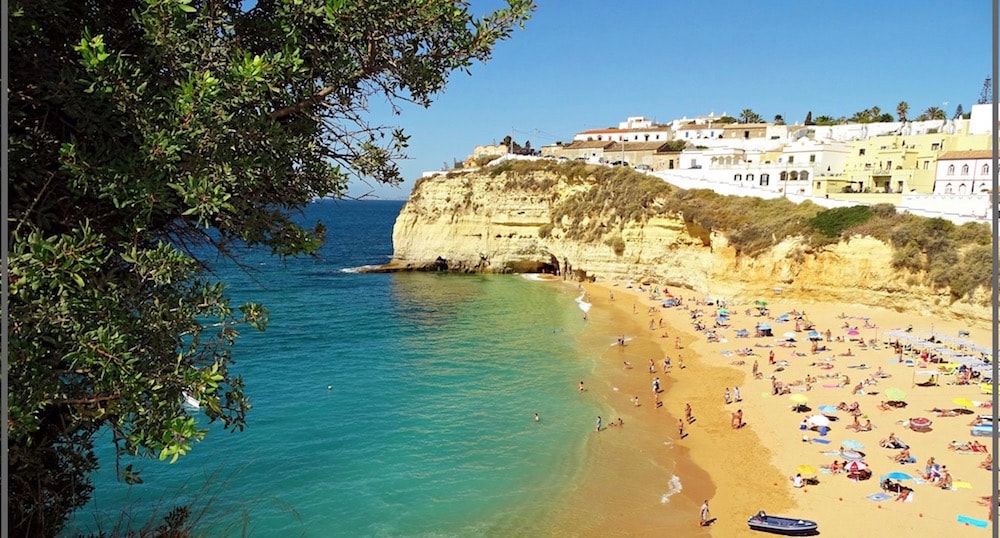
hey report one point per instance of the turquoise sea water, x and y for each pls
(427, 426)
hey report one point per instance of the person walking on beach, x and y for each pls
(687, 413)
(581, 387)
(756, 368)
(680, 428)
(725, 396)
(736, 394)
(656, 384)
(598, 422)
(704, 513)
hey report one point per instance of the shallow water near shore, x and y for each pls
(384, 404)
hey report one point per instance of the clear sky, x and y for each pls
(586, 64)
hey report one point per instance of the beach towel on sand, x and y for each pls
(879, 497)
(821, 441)
(972, 521)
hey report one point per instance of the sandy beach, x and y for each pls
(741, 471)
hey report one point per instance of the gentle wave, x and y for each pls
(673, 488)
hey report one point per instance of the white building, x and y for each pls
(633, 129)
(964, 172)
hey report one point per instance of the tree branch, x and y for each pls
(312, 101)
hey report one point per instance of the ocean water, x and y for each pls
(383, 404)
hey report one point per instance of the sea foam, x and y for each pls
(673, 488)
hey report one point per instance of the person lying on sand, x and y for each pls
(903, 456)
(987, 463)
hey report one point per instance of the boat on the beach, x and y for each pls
(788, 526)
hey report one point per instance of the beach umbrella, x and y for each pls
(894, 394)
(806, 470)
(964, 402)
(853, 332)
(851, 455)
(722, 320)
(852, 444)
(855, 466)
(760, 303)
(790, 335)
(827, 409)
(723, 312)
(813, 335)
(818, 420)
(897, 476)
(764, 326)
(800, 399)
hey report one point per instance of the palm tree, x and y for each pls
(749, 116)
(934, 113)
(901, 109)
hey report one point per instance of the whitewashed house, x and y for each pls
(964, 172)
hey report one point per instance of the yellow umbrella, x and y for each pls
(806, 470)
(800, 399)
(958, 484)
(964, 402)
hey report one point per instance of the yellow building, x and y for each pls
(896, 163)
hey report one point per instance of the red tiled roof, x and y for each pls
(967, 154)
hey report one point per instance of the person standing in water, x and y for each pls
(598, 423)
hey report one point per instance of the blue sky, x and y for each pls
(585, 64)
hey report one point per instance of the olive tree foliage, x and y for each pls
(144, 132)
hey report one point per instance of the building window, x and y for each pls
(927, 165)
(947, 188)
(935, 146)
(861, 151)
(986, 169)
(951, 170)
(812, 158)
(794, 176)
(737, 177)
(961, 188)
(750, 177)
(783, 176)
(791, 159)
(804, 176)
(965, 170)
(765, 180)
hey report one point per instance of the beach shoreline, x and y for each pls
(745, 470)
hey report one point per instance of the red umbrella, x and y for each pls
(855, 466)
(853, 332)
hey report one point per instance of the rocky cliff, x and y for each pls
(517, 221)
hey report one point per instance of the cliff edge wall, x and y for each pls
(516, 222)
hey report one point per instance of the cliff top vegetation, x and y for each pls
(599, 201)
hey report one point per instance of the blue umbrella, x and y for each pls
(722, 319)
(827, 409)
(764, 326)
(852, 444)
(897, 476)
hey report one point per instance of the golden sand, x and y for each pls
(742, 471)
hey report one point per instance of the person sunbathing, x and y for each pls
(903, 456)
(892, 442)
(856, 425)
(904, 493)
(960, 446)
(946, 480)
(889, 485)
(867, 427)
(834, 467)
(987, 463)
(883, 406)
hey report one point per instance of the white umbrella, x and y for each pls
(818, 420)
(789, 335)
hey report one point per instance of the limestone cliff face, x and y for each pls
(478, 222)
